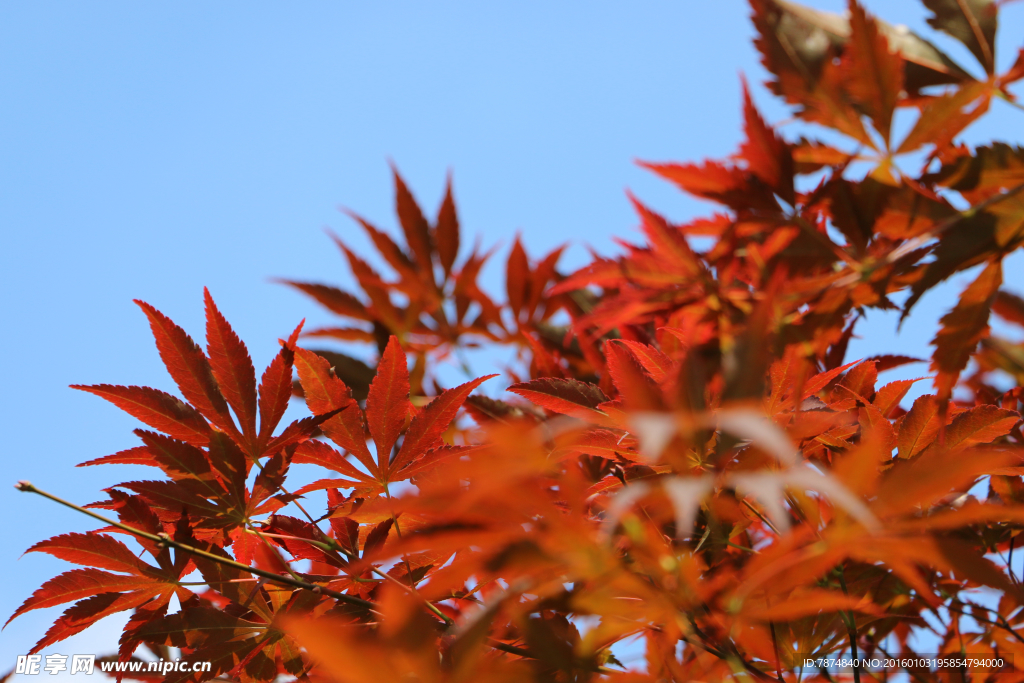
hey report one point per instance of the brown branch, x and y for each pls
(333, 545)
(775, 646)
(919, 241)
(851, 627)
(165, 540)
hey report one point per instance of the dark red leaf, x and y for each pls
(139, 455)
(232, 367)
(157, 409)
(388, 401)
(298, 431)
(92, 550)
(332, 298)
(972, 22)
(77, 584)
(189, 368)
(414, 225)
(446, 232)
(318, 453)
(517, 278)
(767, 156)
(963, 327)
(566, 396)
(275, 390)
(377, 537)
(874, 74)
(426, 428)
(87, 612)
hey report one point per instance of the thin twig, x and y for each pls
(919, 241)
(729, 652)
(851, 628)
(287, 493)
(335, 546)
(1001, 95)
(775, 646)
(513, 650)
(165, 540)
(1002, 623)
(916, 676)
(1009, 562)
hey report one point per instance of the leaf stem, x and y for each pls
(166, 540)
(775, 646)
(1009, 562)
(919, 241)
(1001, 95)
(270, 548)
(851, 627)
(287, 493)
(1002, 623)
(398, 530)
(333, 545)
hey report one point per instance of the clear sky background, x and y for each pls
(149, 149)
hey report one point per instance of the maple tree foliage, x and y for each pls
(685, 460)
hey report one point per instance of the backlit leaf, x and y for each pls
(77, 584)
(919, 426)
(414, 225)
(157, 409)
(566, 396)
(874, 73)
(189, 367)
(972, 22)
(426, 428)
(446, 232)
(92, 550)
(232, 367)
(963, 327)
(388, 401)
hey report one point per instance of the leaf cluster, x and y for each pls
(684, 460)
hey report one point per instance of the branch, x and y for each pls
(1001, 623)
(333, 545)
(851, 627)
(165, 540)
(919, 241)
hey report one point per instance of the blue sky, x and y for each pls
(150, 149)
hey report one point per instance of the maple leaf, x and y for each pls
(804, 34)
(874, 75)
(963, 327)
(414, 225)
(425, 430)
(275, 390)
(726, 490)
(446, 231)
(99, 593)
(798, 45)
(231, 367)
(944, 117)
(972, 22)
(334, 299)
(768, 157)
(567, 396)
(387, 405)
(157, 409)
(190, 369)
